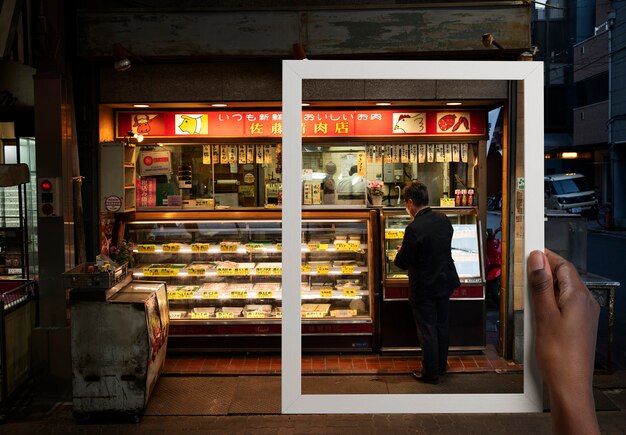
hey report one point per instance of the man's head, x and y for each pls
(352, 170)
(415, 197)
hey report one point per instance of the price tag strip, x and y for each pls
(394, 234)
(239, 294)
(195, 315)
(199, 247)
(146, 248)
(171, 247)
(229, 248)
(313, 315)
(268, 271)
(224, 315)
(265, 294)
(230, 271)
(210, 294)
(196, 271)
(348, 246)
(160, 271)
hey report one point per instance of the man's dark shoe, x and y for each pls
(425, 379)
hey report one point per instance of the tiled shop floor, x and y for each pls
(179, 364)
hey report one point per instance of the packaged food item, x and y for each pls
(178, 314)
(205, 310)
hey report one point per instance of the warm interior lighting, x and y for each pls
(569, 155)
(454, 103)
(305, 104)
(383, 104)
(142, 106)
(219, 105)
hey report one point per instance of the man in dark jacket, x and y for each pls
(426, 253)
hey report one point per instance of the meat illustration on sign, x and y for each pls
(454, 123)
(414, 122)
(141, 123)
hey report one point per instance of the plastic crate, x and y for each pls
(80, 277)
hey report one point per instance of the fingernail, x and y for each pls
(535, 261)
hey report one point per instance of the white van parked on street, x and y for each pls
(569, 192)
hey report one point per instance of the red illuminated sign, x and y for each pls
(315, 124)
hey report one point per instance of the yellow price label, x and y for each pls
(200, 315)
(187, 294)
(326, 293)
(306, 268)
(349, 292)
(314, 315)
(173, 295)
(394, 234)
(347, 246)
(279, 246)
(279, 315)
(199, 247)
(322, 246)
(229, 248)
(239, 294)
(171, 247)
(230, 271)
(146, 248)
(322, 270)
(211, 294)
(269, 270)
(265, 294)
(255, 315)
(254, 246)
(196, 271)
(160, 271)
(348, 269)
(224, 315)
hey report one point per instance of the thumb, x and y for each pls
(541, 286)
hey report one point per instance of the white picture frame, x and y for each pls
(530, 74)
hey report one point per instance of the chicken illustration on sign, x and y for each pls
(457, 122)
(412, 122)
(191, 124)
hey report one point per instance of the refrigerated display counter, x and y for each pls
(467, 311)
(223, 271)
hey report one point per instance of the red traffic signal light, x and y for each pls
(49, 198)
(46, 185)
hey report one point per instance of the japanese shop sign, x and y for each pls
(155, 163)
(332, 123)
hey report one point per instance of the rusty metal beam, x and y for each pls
(324, 33)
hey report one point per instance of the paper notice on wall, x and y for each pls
(439, 155)
(259, 154)
(430, 152)
(242, 154)
(456, 152)
(380, 152)
(155, 163)
(249, 153)
(413, 153)
(216, 154)
(396, 153)
(388, 154)
(464, 152)
(404, 158)
(307, 198)
(360, 164)
(206, 154)
(232, 154)
(370, 150)
(267, 158)
(224, 154)
(421, 153)
(146, 192)
(448, 152)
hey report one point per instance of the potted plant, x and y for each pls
(122, 253)
(375, 189)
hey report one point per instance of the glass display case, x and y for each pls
(223, 272)
(465, 243)
(467, 325)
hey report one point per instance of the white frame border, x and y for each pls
(294, 71)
